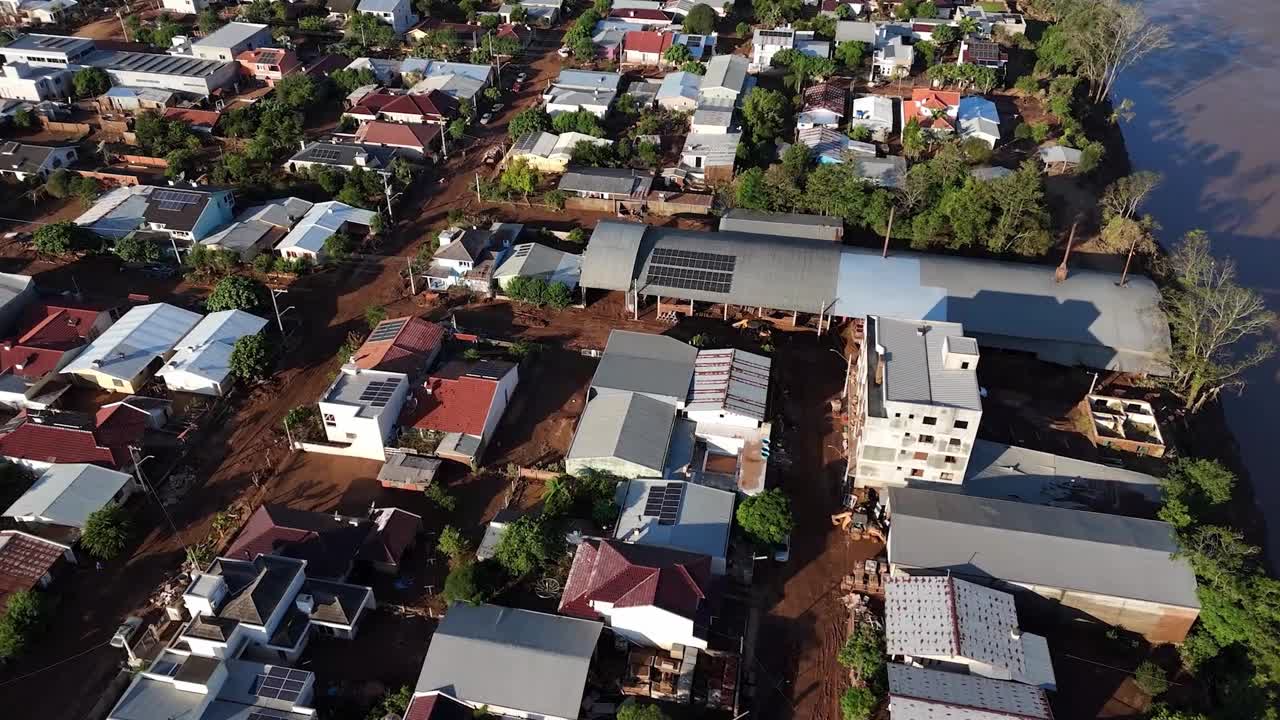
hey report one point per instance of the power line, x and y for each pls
(50, 667)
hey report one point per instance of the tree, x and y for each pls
(178, 163)
(519, 177)
(348, 80)
(630, 709)
(338, 246)
(750, 190)
(694, 67)
(1021, 213)
(858, 703)
(135, 249)
(26, 613)
(775, 12)
(864, 654)
(366, 31)
(57, 238)
(1105, 37)
(436, 493)
(250, 359)
(529, 120)
(1192, 489)
(915, 142)
(235, 292)
(1151, 678)
(764, 112)
(1124, 197)
(298, 91)
(58, 184)
(582, 121)
(86, 189)
(528, 544)
(1134, 236)
(474, 582)
(701, 20)
(766, 517)
(90, 82)
(452, 543)
(106, 532)
(1212, 321)
(944, 35)
(851, 54)
(678, 54)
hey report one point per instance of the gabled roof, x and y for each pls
(327, 541)
(418, 136)
(230, 35)
(322, 221)
(639, 14)
(701, 521)
(50, 330)
(680, 84)
(24, 561)
(628, 182)
(432, 104)
(647, 41)
(934, 109)
(944, 617)
(541, 261)
(143, 334)
(727, 72)
(435, 706)
(645, 363)
(403, 344)
(396, 531)
(627, 575)
(626, 426)
(192, 116)
(458, 398)
(519, 659)
(924, 694)
(205, 352)
(24, 158)
(67, 494)
(51, 436)
(915, 369)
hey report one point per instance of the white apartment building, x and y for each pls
(360, 409)
(915, 403)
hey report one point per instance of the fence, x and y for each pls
(143, 161)
(111, 177)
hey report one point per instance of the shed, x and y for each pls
(408, 471)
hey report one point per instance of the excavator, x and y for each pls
(859, 529)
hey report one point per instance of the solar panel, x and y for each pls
(379, 392)
(173, 199)
(263, 714)
(691, 270)
(387, 330)
(281, 683)
(670, 512)
(325, 154)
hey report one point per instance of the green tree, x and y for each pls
(1151, 678)
(766, 517)
(133, 248)
(338, 246)
(452, 543)
(858, 703)
(864, 654)
(26, 614)
(58, 184)
(1104, 37)
(694, 67)
(57, 238)
(519, 177)
(851, 54)
(582, 121)
(1021, 213)
(208, 20)
(750, 190)
(347, 80)
(90, 82)
(678, 54)
(701, 20)
(1212, 321)
(474, 582)
(915, 142)
(250, 359)
(764, 112)
(436, 493)
(392, 703)
(775, 12)
(1192, 489)
(528, 544)
(86, 189)
(529, 120)
(944, 35)
(298, 91)
(179, 162)
(106, 532)
(630, 709)
(366, 32)
(236, 292)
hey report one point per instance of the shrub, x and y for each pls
(577, 236)
(528, 544)
(630, 709)
(452, 544)
(57, 238)
(857, 704)
(436, 493)
(235, 292)
(106, 532)
(864, 654)
(373, 315)
(26, 613)
(766, 517)
(555, 198)
(1151, 678)
(251, 358)
(134, 249)
(474, 582)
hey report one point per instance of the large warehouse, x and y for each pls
(1088, 319)
(1115, 569)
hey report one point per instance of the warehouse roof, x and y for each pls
(1006, 472)
(794, 225)
(945, 617)
(143, 334)
(649, 364)
(1089, 552)
(138, 62)
(924, 694)
(230, 35)
(518, 659)
(725, 72)
(730, 381)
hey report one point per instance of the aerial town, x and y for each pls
(644, 359)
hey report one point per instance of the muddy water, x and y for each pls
(1208, 118)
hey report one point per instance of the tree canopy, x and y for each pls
(701, 20)
(473, 582)
(529, 544)
(529, 120)
(236, 292)
(25, 614)
(90, 82)
(766, 517)
(106, 532)
(251, 358)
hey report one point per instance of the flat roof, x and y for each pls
(230, 35)
(183, 65)
(1008, 472)
(369, 390)
(56, 44)
(814, 227)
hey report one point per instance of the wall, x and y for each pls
(501, 396)
(191, 383)
(616, 466)
(97, 379)
(590, 204)
(143, 161)
(653, 626)
(110, 177)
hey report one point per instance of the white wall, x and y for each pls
(652, 626)
(501, 397)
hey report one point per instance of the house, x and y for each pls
(679, 91)
(21, 161)
(676, 515)
(188, 75)
(416, 140)
(950, 624)
(346, 157)
(28, 562)
(874, 112)
(1049, 556)
(539, 262)
(463, 402)
(406, 345)
(541, 660)
(396, 532)
(202, 121)
(978, 118)
(824, 106)
(680, 8)
(183, 214)
(66, 494)
(855, 31)
(408, 471)
(432, 107)
(651, 596)
(832, 147)
(38, 12)
(49, 336)
(728, 402)
(923, 694)
(708, 159)
(550, 153)
(17, 292)
(985, 53)
(469, 34)
(641, 16)
(468, 257)
(646, 47)
(888, 172)
(726, 79)
(124, 358)
(713, 116)
(918, 403)
(766, 43)
(588, 90)
(613, 184)
(259, 228)
(360, 410)
(268, 65)
(1060, 157)
(892, 57)
(542, 13)
(933, 110)
(232, 39)
(396, 13)
(202, 363)
(796, 225)
(36, 83)
(41, 438)
(323, 221)
(135, 100)
(1127, 424)
(332, 545)
(988, 22)
(184, 7)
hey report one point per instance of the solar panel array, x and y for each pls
(691, 270)
(327, 154)
(387, 330)
(379, 392)
(263, 714)
(281, 683)
(983, 51)
(174, 199)
(663, 502)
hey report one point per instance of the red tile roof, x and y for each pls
(434, 104)
(408, 135)
(453, 401)
(436, 707)
(24, 560)
(646, 41)
(826, 96)
(923, 104)
(639, 14)
(515, 32)
(372, 103)
(51, 331)
(73, 438)
(407, 351)
(208, 118)
(329, 543)
(635, 576)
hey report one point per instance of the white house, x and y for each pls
(123, 358)
(978, 118)
(202, 364)
(65, 495)
(467, 257)
(322, 221)
(766, 43)
(539, 262)
(20, 81)
(396, 13)
(712, 117)
(588, 90)
(231, 39)
(185, 7)
(21, 161)
(726, 79)
(360, 410)
(874, 112)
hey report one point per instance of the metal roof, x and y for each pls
(322, 221)
(924, 694)
(205, 352)
(628, 426)
(625, 182)
(888, 172)
(797, 225)
(126, 348)
(702, 522)
(68, 494)
(854, 31)
(517, 659)
(230, 35)
(136, 62)
(535, 143)
(725, 72)
(1106, 555)
(914, 369)
(653, 365)
(680, 84)
(610, 258)
(587, 80)
(540, 261)
(1006, 472)
(730, 381)
(717, 149)
(57, 44)
(715, 112)
(945, 617)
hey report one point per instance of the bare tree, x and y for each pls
(1136, 236)
(1123, 197)
(1108, 36)
(1215, 324)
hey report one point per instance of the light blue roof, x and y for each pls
(679, 84)
(974, 106)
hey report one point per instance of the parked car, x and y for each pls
(157, 270)
(564, 52)
(486, 118)
(521, 77)
(782, 551)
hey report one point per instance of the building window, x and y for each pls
(954, 442)
(950, 459)
(926, 438)
(964, 366)
(911, 417)
(117, 382)
(921, 456)
(917, 473)
(351, 436)
(931, 421)
(962, 424)
(330, 420)
(946, 476)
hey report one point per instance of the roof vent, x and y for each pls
(1015, 634)
(305, 603)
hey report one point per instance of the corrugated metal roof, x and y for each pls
(653, 365)
(914, 370)
(1006, 472)
(518, 659)
(945, 617)
(322, 221)
(702, 524)
(68, 494)
(144, 333)
(627, 426)
(733, 381)
(540, 261)
(796, 225)
(924, 694)
(205, 352)
(1017, 542)
(609, 261)
(231, 35)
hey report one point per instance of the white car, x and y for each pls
(486, 118)
(520, 77)
(564, 52)
(126, 631)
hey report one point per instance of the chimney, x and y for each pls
(305, 603)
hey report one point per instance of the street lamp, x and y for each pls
(142, 478)
(275, 292)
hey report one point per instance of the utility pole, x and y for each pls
(1060, 273)
(444, 146)
(477, 187)
(123, 27)
(888, 231)
(276, 306)
(413, 289)
(142, 478)
(386, 188)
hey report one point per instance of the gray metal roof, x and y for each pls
(717, 149)
(653, 365)
(137, 62)
(913, 363)
(149, 699)
(725, 72)
(518, 659)
(795, 225)
(626, 426)
(143, 334)
(625, 182)
(66, 494)
(926, 694)
(24, 158)
(587, 80)
(702, 525)
(535, 143)
(609, 262)
(887, 172)
(540, 261)
(1107, 555)
(230, 35)
(854, 31)
(714, 112)
(1006, 472)
(680, 84)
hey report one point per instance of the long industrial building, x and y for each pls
(1088, 319)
